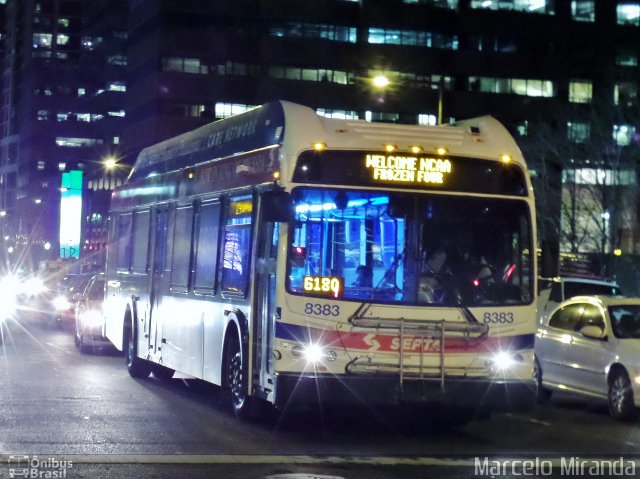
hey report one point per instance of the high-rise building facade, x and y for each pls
(55, 119)
(562, 75)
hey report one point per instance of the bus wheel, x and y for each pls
(236, 381)
(137, 367)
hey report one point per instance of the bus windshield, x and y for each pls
(409, 248)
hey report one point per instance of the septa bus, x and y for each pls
(289, 257)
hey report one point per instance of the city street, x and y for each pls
(61, 405)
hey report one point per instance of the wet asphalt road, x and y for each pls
(85, 413)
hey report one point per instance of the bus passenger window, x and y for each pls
(124, 242)
(140, 241)
(182, 246)
(207, 247)
(237, 245)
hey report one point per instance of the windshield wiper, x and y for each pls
(390, 270)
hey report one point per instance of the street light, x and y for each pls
(110, 162)
(380, 81)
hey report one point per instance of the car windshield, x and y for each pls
(625, 321)
(410, 248)
(572, 289)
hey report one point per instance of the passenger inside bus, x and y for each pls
(430, 287)
(364, 277)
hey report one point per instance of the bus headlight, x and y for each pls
(313, 353)
(504, 360)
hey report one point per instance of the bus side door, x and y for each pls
(160, 268)
(265, 297)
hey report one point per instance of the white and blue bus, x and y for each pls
(289, 257)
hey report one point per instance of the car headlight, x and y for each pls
(61, 303)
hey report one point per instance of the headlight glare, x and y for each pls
(61, 303)
(313, 353)
(504, 360)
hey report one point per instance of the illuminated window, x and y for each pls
(193, 65)
(628, 14)
(528, 6)
(309, 30)
(624, 135)
(62, 39)
(83, 117)
(578, 132)
(117, 60)
(427, 119)
(522, 128)
(580, 91)
(412, 38)
(383, 117)
(450, 4)
(583, 10)
(43, 115)
(223, 110)
(77, 142)
(625, 93)
(40, 165)
(63, 22)
(62, 116)
(82, 92)
(308, 74)
(119, 113)
(512, 86)
(340, 114)
(42, 40)
(626, 58)
(117, 86)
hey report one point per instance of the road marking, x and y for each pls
(529, 419)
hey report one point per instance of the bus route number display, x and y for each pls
(408, 169)
(323, 285)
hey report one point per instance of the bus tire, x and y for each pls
(137, 367)
(234, 379)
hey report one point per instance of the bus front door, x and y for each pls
(265, 288)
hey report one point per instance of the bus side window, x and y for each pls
(182, 247)
(237, 245)
(112, 243)
(124, 242)
(206, 257)
(139, 260)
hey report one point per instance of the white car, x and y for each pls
(590, 345)
(553, 291)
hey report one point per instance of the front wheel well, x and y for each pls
(614, 370)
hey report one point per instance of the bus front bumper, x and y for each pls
(292, 390)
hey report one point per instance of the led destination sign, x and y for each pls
(408, 169)
(411, 171)
(323, 285)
